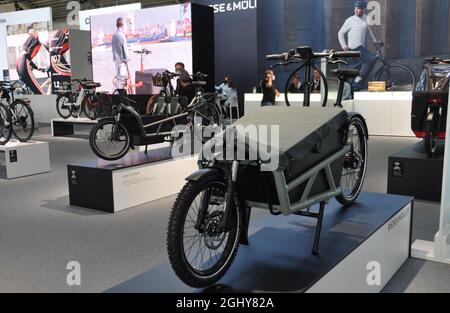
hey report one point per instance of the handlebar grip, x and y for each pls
(277, 57)
(347, 54)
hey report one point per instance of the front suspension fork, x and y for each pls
(115, 130)
(230, 196)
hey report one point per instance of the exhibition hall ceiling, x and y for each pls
(60, 10)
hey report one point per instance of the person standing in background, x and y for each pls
(317, 80)
(269, 90)
(120, 56)
(184, 87)
(357, 28)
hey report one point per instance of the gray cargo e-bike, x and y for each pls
(322, 154)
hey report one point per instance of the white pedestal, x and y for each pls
(24, 159)
(253, 101)
(386, 113)
(144, 184)
(137, 179)
(381, 254)
(361, 248)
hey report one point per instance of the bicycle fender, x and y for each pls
(26, 102)
(355, 114)
(103, 119)
(198, 175)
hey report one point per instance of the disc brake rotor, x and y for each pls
(213, 240)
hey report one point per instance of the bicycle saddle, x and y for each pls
(346, 73)
(91, 85)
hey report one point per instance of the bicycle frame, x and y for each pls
(198, 101)
(79, 95)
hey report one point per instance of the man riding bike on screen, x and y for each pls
(357, 28)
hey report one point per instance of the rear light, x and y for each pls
(436, 100)
(27, 101)
(419, 134)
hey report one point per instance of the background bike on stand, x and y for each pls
(16, 116)
(429, 103)
(164, 81)
(84, 100)
(113, 137)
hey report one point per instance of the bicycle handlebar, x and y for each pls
(436, 59)
(277, 57)
(347, 54)
(305, 53)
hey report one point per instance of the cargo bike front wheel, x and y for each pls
(199, 251)
(110, 140)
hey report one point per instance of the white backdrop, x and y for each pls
(21, 17)
(85, 23)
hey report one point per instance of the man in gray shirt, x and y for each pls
(120, 58)
(357, 28)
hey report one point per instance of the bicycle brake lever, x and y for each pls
(338, 62)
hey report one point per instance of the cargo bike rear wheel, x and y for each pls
(355, 162)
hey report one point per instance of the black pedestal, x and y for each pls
(412, 173)
(278, 257)
(72, 127)
(91, 182)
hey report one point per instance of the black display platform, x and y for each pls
(412, 173)
(91, 182)
(72, 127)
(279, 257)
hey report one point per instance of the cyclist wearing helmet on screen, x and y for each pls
(357, 28)
(25, 64)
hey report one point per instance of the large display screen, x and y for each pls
(128, 48)
(60, 68)
(85, 16)
(28, 56)
(39, 58)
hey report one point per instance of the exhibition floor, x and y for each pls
(40, 233)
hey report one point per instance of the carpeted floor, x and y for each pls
(40, 233)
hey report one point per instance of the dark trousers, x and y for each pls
(25, 72)
(368, 60)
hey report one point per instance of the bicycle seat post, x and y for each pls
(340, 91)
(343, 75)
(307, 100)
